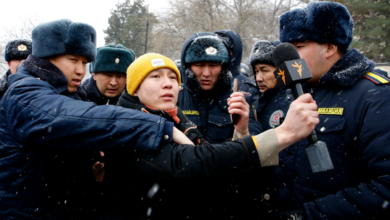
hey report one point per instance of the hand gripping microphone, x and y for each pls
(290, 73)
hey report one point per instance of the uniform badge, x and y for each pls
(211, 50)
(22, 47)
(274, 120)
(117, 60)
(181, 88)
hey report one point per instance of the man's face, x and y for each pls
(13, 64)
(110, 84)
(265, 77)
(315, 57)
(207, 73)
(73, 67)
(159, 89)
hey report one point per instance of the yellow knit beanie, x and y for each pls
(145, 64)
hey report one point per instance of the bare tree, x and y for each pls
(251, 19)
(11, 31)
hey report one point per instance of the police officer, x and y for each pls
(15, 52)
(204, 98)
(206, 87)
(233, 42)
(109, 74)
(353, 105)
(273, 103)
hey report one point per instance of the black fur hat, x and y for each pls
(17, 49)
(64, 37)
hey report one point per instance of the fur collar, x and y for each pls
(347, 70)
(48, 72)
(222, 85)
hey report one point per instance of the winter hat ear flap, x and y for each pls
(262, 52)
(323, 22)
(17, 49)
(112, 58)
(64, 37)
(206, 49)
(145, 64)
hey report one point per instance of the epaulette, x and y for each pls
(377, 78)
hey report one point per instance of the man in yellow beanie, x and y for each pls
(153, 87)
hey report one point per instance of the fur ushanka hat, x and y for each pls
(206, 49)
(323, 22)
(262, 52)
(112, 58)
(17, 49)
(64, 37)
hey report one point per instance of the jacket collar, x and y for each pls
(348, 69)
(46, 71)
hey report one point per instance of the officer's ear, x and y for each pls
(94, 76)
(331, 49)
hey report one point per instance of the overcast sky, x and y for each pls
(93, 12)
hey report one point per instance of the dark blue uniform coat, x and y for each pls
(355, 125)
(238, 196)
(47, 140)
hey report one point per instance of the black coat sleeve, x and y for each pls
(186, 161)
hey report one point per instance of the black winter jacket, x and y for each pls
(179, 171)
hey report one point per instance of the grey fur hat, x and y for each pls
(207, 49)
(64, 37)
(262, 52)
(17, 49)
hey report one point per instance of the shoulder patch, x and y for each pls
(377, 78)
(181, 88)
(274, 120)
(254, 111)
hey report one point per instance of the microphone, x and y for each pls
(291, 72)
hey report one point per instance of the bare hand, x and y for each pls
(180, 138)
(300, 121)
(238, 105)
(98, 169)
